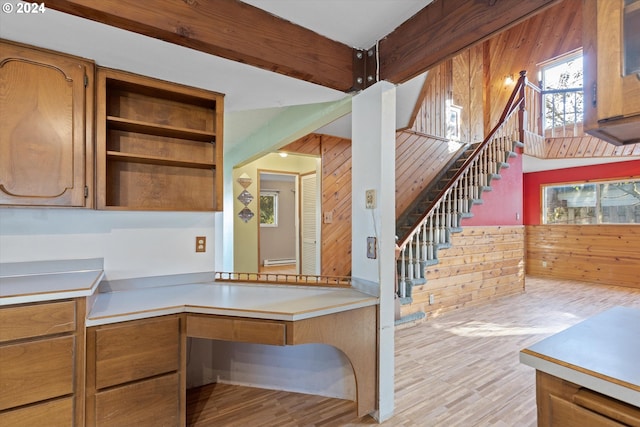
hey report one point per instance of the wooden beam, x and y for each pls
(444, 28)
(229, 29)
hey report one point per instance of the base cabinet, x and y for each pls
(42, 364)
(135, 373)
(561, 403)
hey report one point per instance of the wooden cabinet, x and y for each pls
(135, 373)
(612, 95)
(46, 127)
(42, 360)
(561, 403)
(159, 144)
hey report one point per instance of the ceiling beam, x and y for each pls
(445, 28)
(229, 29)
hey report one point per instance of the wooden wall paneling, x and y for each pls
(336, 197)
(521, 48)
(429, 119)
(419, 158)
(534, 145)
(461, 91)
(585, 146)
(606, 254)
(483, 263)
(309, 145)
(476, 101)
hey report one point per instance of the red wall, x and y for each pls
(503, 204)
(534, 180)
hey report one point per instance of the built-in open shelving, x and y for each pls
(159, 144)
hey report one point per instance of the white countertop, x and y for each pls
(601, 353)
(47, 281)
(260, 301)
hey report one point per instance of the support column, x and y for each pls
(373, 168)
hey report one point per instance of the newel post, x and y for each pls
(522, 112)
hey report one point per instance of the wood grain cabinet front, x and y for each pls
(158, 144)
(135, 373)
(42, 364)
(46, 127)
(562, 403)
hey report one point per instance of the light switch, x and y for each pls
(328, 217)
(370, 196)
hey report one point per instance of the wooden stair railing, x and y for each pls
(431, 231)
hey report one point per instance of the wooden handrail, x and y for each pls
(516, 101)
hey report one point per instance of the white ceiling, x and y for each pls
(356, 23)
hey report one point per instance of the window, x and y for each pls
(612, 202)
(562, 94)
(268, 208)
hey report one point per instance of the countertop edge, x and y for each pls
(54, 294)
(583, 379)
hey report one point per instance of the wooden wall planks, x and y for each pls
(605, 254)
(483, 263)
(554, 32)
(419, 158)
(586, 146)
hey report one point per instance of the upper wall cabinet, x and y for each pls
(46, 117)
(611, 38)
(158, 144)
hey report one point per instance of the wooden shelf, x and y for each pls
(129, 125)
(158, 144)
(157, 160)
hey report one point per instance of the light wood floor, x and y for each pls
(460, 369)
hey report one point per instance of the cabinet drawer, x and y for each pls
(152, 403)
(36, 371)
(241, 330)
(54, 413)
(35, 320)
(565, 413)
(136, 350)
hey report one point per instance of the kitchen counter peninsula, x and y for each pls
(589, 374)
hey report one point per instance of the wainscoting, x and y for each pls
(607, 254)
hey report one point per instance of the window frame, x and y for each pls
(598, 208)
(273, 194)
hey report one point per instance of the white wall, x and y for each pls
(133, 244)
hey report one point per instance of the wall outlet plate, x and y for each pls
(372, 248)
(201, 243)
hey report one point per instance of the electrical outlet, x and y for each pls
(544, 264)
(370, 196)
(432, 299)
(201, 243)
(371, 248)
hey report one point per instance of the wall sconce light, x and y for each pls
(508, 79)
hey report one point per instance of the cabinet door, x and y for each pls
(43, 127)
(153, 403)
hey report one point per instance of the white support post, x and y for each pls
(373, 168)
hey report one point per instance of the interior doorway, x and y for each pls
(278, 217)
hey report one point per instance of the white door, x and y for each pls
(310, 227)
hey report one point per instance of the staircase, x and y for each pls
(427, 225)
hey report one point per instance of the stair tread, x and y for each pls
(419, 315)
